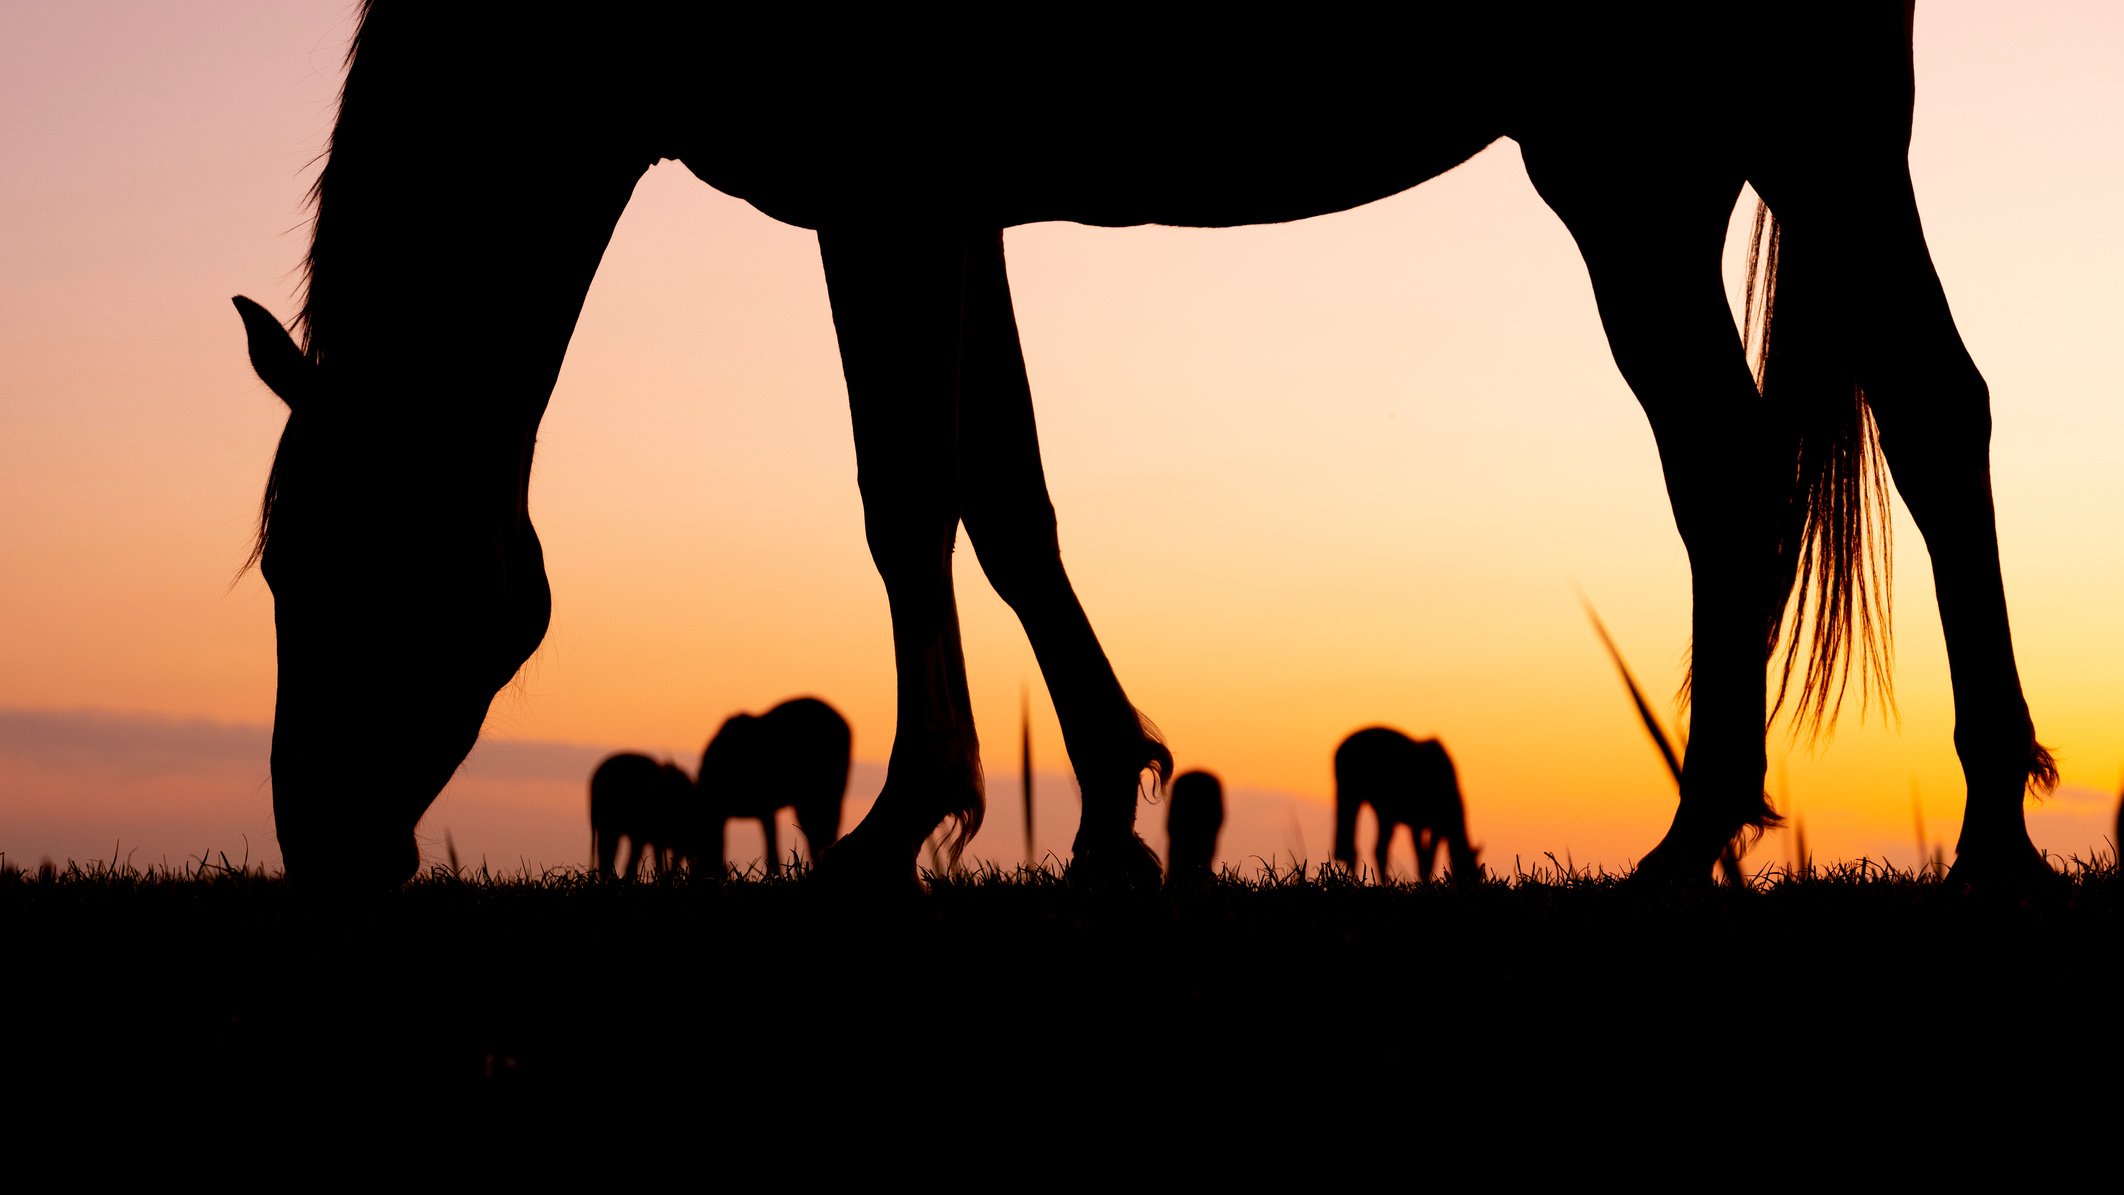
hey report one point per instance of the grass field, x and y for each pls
(566, 983)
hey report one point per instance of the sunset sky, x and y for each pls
(1311, 477)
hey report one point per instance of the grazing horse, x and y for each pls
(646, 802)
(409, 585)
(1192, 822)
(794, 756)
(1407, 782)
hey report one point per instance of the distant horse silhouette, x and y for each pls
(395, 533)
(1407, 782)
(1193, 819)
(794, 756)
(650, 804)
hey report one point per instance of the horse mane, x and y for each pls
(324, 249)
(351, 126)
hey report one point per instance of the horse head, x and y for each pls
(408, 587)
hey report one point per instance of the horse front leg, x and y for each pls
(1728, 529)
(896, 307)
(1346, 806)
(769, 834)
(1011, 521)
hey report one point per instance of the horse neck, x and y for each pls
(455, 239)
(458, 384)
(480, 455)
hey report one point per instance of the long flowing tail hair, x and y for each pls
(1832, 603)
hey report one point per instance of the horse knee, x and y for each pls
(1937, 438)
(1020, 553)
(908, 535)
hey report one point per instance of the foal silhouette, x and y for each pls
(398, 544)
(650, 804)
(1193, 820)
(794, 756)
(1407, 782)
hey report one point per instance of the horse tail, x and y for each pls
(1830, 593)
(965, 816)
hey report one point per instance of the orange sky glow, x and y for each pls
(1310, 477)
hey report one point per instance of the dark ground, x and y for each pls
(1004, 991)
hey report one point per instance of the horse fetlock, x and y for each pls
(2006, 760)
(1113, 786)
(1720, 816)
(936, 783)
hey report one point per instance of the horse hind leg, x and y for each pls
(1346, 804)
(770, 833)
(818, 820)
(1860, 275)
(1011, 520)
(896, 301)
(1652, 251)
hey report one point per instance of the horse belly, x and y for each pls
(1259, 126)
(1265, 175)
(1135, 176)
(761, 807)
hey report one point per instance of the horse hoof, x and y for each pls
(1121, 864)
(363, 868)
(2012, 873)
(1665, 868)
(867, 863)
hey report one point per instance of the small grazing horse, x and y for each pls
(794, 756)
(1407, 782)
(648, 803)
(1192, 823)
(409, 584)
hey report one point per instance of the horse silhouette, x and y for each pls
(1407, 782)
(1193, 819)
(648, 803)
(794, 756)
(395, 532)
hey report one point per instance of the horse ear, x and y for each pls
(279, 364)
